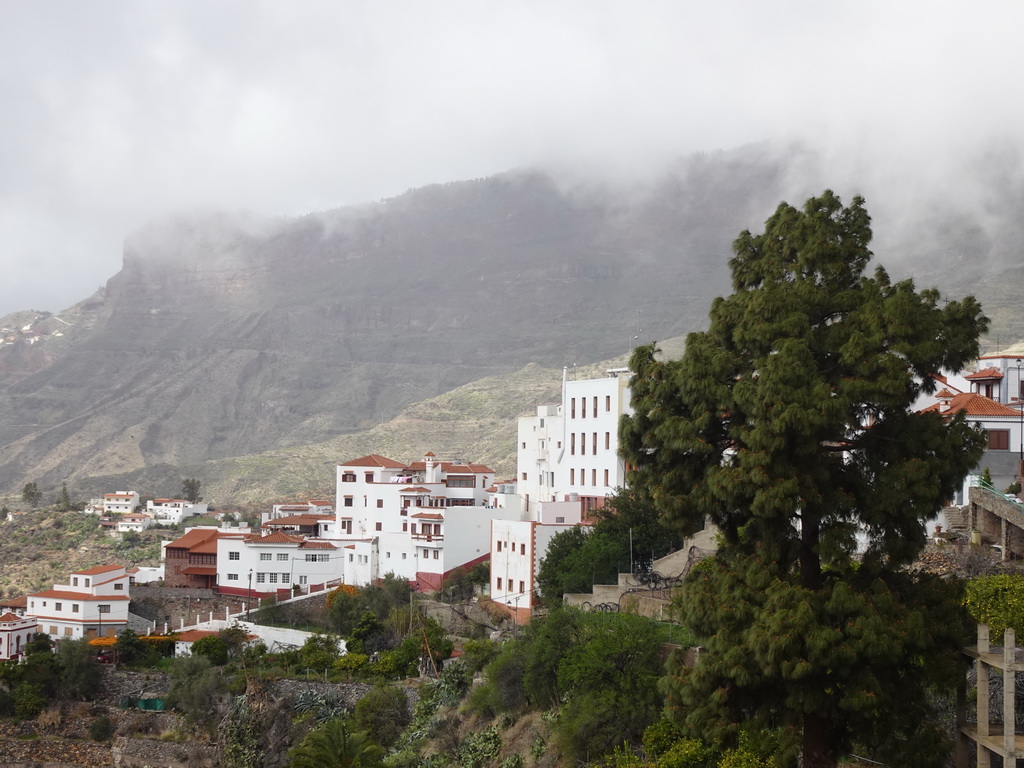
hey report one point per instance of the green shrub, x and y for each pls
(997, 601)
(350, 662)
(383, 713)
(688, 753)
(29, 701)
(101, 728)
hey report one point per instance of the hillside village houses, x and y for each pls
(174, 511)
(15, 632)
(120, 503)
(94, 603)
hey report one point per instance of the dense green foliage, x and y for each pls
(999, 602)
(627, 536)
(336, 744)
(600, 670)
(788, 424)
(383, 713)
(190, 490)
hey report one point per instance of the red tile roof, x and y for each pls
(191, 635)
(307, 544)
(428, 516)
(66, 595)
(198, 540)
(298, 520)
(974, 404)
(374, 460)
(277, 537)
(7, 618)
(95, 570)
(987, 373)
(415, 489)
(200, 570)
(15, 602)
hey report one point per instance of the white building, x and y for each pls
(15, 633)
(174, 511)
(93, 604)
(571, 450)
(417, 521)
(136, 522)
(568, 463)
(120, 503)
(277, 562)
(518, 546)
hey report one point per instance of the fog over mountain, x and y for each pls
(224, 335)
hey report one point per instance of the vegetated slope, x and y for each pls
(228, 336)
(475, 422)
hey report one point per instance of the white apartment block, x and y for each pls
(417, 521)
(174, 511)
(518, 546)
(568, 463)
(120, 502)
(136, 521)
(571, 451)
(94, 603)
(274, 562)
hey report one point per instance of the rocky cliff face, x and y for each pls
(228, 335)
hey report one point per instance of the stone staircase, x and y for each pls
(956, 519)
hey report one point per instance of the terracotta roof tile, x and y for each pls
(973, 404)
(7, 618)
(987, 373)
(373, 460)
(308, 544)
(95, 570)
(277, 537)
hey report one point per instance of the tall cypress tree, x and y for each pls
(788, 424)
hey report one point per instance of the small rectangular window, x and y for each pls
(348, 501)
(232, 577)
(74, 607)
(378, 526)
(522, 549)
(303, 579)
(58, 606)
(119, 587)
(572, 477)
(282, 557)
(606, 478)
(265, 556)
(273, 578)
(607, 403)
(499, 582)
(998, 439)
(522, 586)
(524, 476)
(104, 609)
(260, 578)
(499, 546)
(380, 503)
(572, 444)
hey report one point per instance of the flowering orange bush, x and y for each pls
(341, 589)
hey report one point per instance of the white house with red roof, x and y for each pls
(136, 522)
(999, 415)
(273, 562)
(15, 632)
(94, 603)
(418, 520)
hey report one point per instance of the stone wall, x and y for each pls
(139, 753)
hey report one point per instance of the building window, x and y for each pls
(87, 582)
(350, 558)
(607, 403)
(74, 607)
(524, 476)
(348, 477)
(593, 477)
(522, 549)
(303, 579)
(572, 408)
(387, 555)
(74, 581)
(437, 554)
(572, 477)
(595, 444)
(559, 519)
(380, 503)
(266, 556)
(348, 501)
(595, 406)
(606, 478)
(999, 439)
(104, 608)
(260, 578)
(53, 630)
(273, 578)
(232, 577)
(607, 441)
(378, 526)
(522, 586)
(234, 555)
(460, 482)
(403, 555)
(282, 557)
(583, 407)
(572, 444)
(499, 546)
(583, 443)
(284, 578)
(58, 606)
(499, 582)
(119, 587)
(524, 446)
(368, 477)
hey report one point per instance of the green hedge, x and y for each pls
(999, 602)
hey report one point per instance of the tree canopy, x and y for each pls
(788, 424)
(190, 490)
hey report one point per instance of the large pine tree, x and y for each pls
(788, 424)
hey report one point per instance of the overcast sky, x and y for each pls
(116, 112)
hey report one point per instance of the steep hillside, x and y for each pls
(228, 336)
